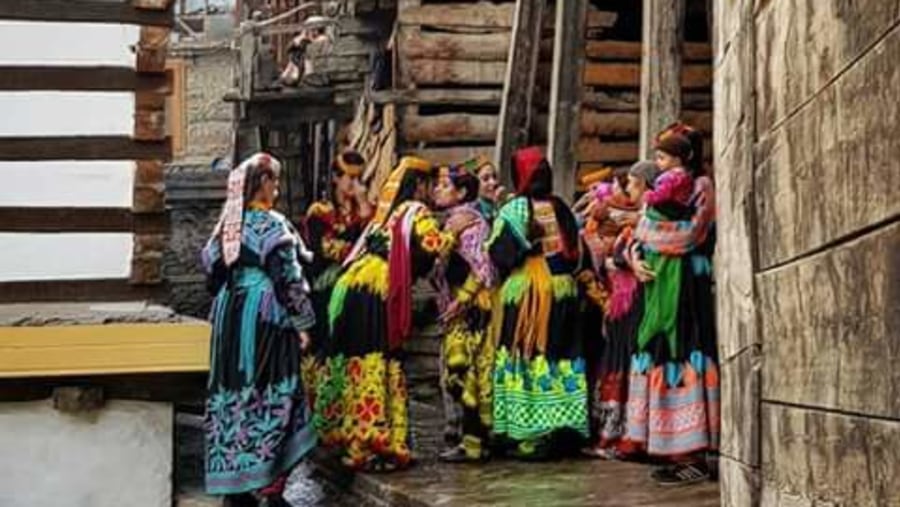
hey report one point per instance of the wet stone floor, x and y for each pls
(566, 483)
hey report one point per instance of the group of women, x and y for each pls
(588, 328)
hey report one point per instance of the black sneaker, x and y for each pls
(681, 474)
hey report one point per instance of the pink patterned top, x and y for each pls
(672, 186)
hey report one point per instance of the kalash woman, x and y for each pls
(540, 390)
(465, 279)
(613, 212)
(332, 227)
(673, 408)
(257, 422)
(361, 403)
(490, 193)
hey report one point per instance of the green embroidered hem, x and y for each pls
(537, 397)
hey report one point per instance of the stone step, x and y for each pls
(197, 499)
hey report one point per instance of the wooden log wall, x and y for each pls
(451, 63)
(611, 108)
(451, 66)
(807, 266)
(82, 215)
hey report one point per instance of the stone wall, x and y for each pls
(194, 199)
(807, 154)
(194, 193)
(209, 120)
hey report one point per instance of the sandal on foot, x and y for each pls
(600, 453)
(453, 455)
(380, 465)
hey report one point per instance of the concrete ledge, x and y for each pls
(116, 456)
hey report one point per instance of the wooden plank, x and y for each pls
(797, 60)
(79, 78)
(83, 11)
(34, 257)
(452, 127)
(453, 155)
(816, 458)
(80, 220)
(146, 258)
(447, 72)
(808, 194)
(87, 45)
(461, 97)
(103, 349)
(628, 101)
(735, 88)
(609, 124)
(735, 266)
(661, 67)
(101, 183)
(475, 15)
(740, 397)
(598, 20)
(618, 124)
(457, 46)
(628, 75)
(152, 49)
(593, 150)
(736, 215)
(52, 113)
(180, 388)
(739, 339)
(830, 320)
(565, 93)
(154, 5)
(149, 123)
(149, 187)
(485, 16)
(519, 76)
(739, 483)
(613, 50)
(81, 148)
(115, 289)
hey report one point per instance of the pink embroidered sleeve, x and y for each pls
(671, 186)
(471, 248)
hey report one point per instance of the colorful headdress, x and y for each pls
(392, 185)
(527, 161)
(592, 178)
(473, 165)
(348, 168)
(678, 127)
(692, 135)
(456, 170)
(230, 221)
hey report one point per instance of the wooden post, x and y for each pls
(247, 60)
(518, 87)
(565, 94)
(318, 157)
(663, 29)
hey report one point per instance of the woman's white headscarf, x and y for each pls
(230, 221)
